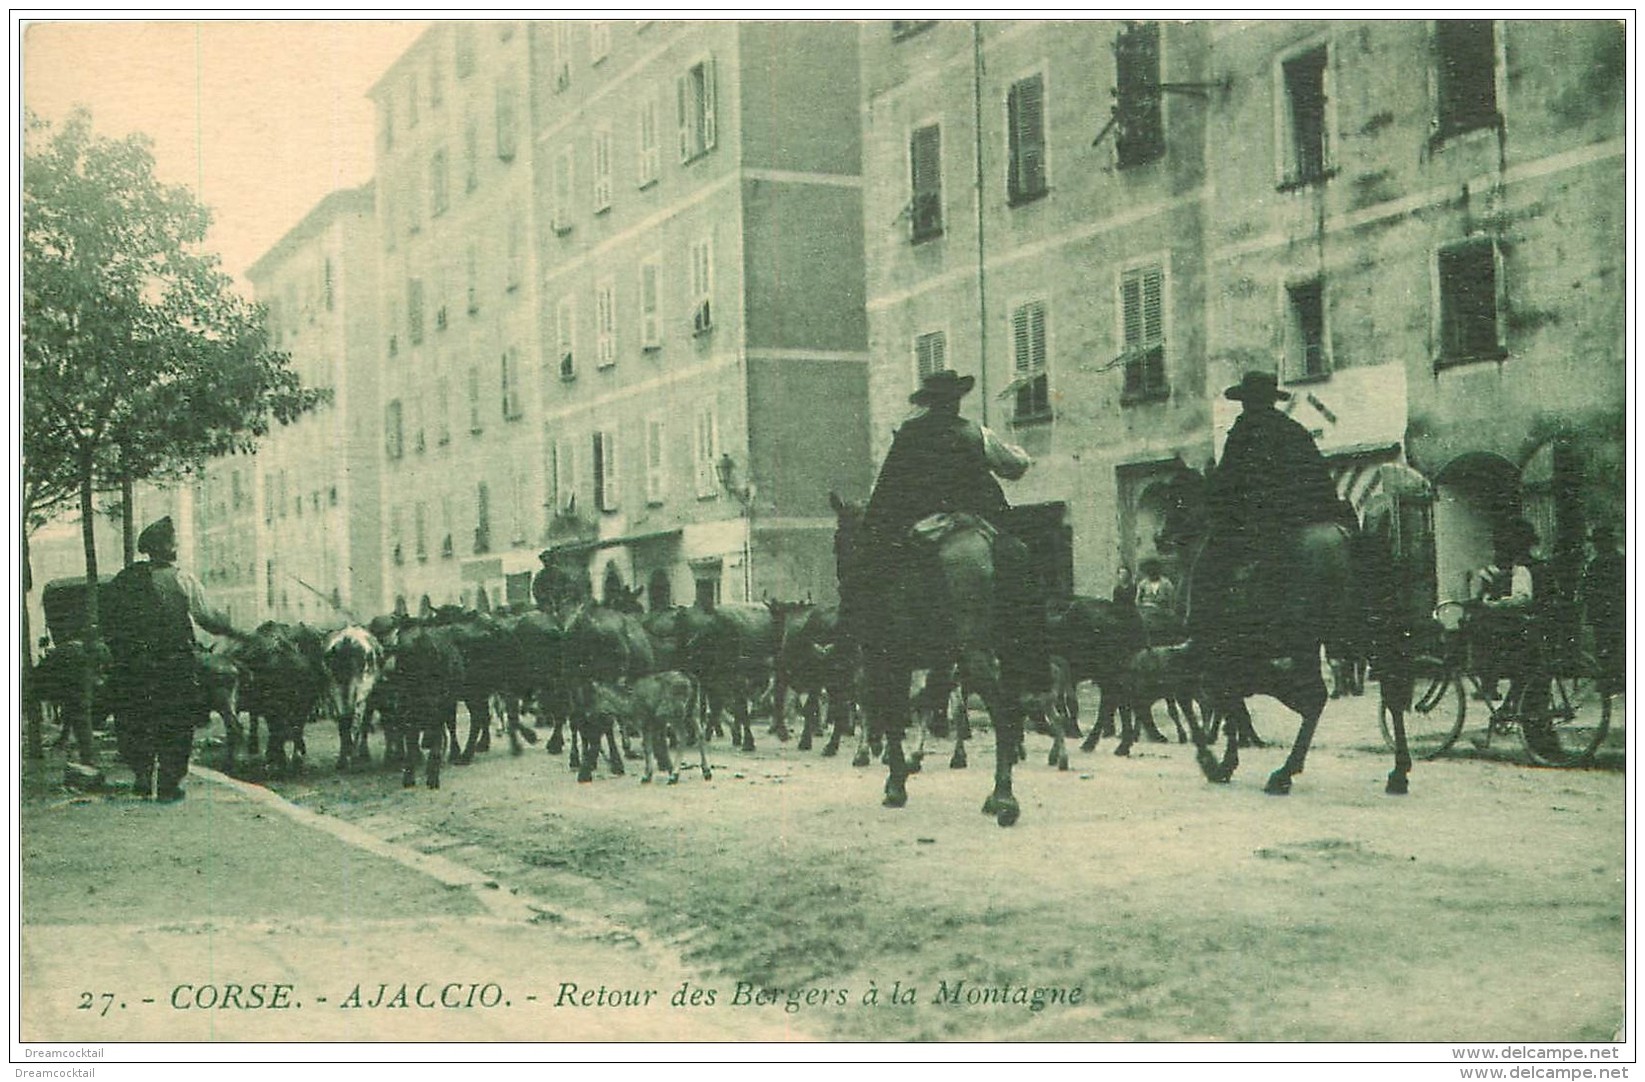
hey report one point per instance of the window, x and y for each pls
(482, 519)
(1303, 137)
(437, 183)
(515, 261)
(446, 547)
(695, 98)
(414, 206)
(436, 84)
(1464, 75)
(708, 592)
(414, 309)
(1028, 350)
(418, 442)
(516, 506)
(655, 466)
(471, 154)
(1139, 119)
(465, 49)
(411, 101)
(511, 384)
(391, 225)
(393, 434)
(1305, 330)
(930, 354)
(443, 393)
(605, 324)
(650, 159)
(565, 476)
(1468, 329)
(1142, 300)
(566, 338)
(907, 28)
(386, 113)
(1025, 120)
(599, 41)
(560, 56)
(650, 322)
(419, 530)
(394, 534)
(472, 279)
(925, 168)
(706, 453)
(605, 470)
(560, 212)
(475, 425)
(602, 170)
(330, 286)
(393, 323)
(702, 287)
(506, 118)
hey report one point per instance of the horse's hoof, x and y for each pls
(646, 780)
(556, 744)
(1398, 784)
(782, 735)
(409, 781)
(958, 762)
(528, 734)
(1089, 744)
(434, 783)
(617, 770)
(895, 796)
(830, 750)
(584, 776)
(1062, 760)
(1008, 813)
(1123, 749)
(860, 759)
(916, 762)
(1278, 784)
(804, 744)
(748, 745)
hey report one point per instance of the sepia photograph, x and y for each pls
(783, 539)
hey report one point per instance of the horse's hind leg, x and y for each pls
(1396, 699)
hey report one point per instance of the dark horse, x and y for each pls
(912, 626)
(1310, 588)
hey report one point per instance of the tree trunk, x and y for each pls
(128, 532)
(34, 742)
(88, 677)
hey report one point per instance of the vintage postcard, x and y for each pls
(754, 538)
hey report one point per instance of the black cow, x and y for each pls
(813, 661)
(284, 683)
(418, 698)
(731, 657)
(602, 646)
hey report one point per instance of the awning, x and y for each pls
(597, 544)
(1357, 471)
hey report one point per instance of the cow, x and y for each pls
(284, 683)
(602, 645)
(813, 660)
(354, 661)
(732, 656)
(654, 704)
(418, 696)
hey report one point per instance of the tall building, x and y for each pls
(1425, 236)
(1036, 205)
(703, 371)
(1419, 225)
(458, 300)
(291, 533)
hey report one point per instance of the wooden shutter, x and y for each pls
(648, 305)
(568, 361)
(654, 437)
(925, 164)
(1026, 108)
(708, 106)
(930, 354)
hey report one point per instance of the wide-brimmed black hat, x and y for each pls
(1257, 387)
(944, 386)
(158, 537)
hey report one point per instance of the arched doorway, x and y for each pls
(613, 584)
(659, 591)
(1472, 495)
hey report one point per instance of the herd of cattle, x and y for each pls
(606, 672)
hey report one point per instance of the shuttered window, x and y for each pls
(1033, 391)
(930, 354)
(695, 109)
(605, 324)
(650, 321)
(1468, 326)
(605, 470)
(1305, 331)
(925, 165)
(1304, 142)
(655, 436)
(475, 424)
(707, 453)
(650, 158)
(393, 433)
(1139, 121)
(511, 385)
(702, 287)
(482, 519)
(566, 338)
(565, 476)
(602, 170)
(1464, 75)
(1025, 108)
(414, 309)
(1142, 295)
(559, 214)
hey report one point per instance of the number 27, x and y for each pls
(88, 1002)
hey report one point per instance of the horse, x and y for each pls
(1276, 617)
(912, 626)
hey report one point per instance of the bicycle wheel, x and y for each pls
(1434, 720)
(1576, 721)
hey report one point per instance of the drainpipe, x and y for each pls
(982, 282)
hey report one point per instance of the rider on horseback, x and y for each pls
(942, 463)
(1272, 481)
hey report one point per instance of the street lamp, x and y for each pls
(726, 470)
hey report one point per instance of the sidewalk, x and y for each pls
(234, 916)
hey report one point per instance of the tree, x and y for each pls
(139, 359)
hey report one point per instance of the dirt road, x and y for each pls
(1135, 901)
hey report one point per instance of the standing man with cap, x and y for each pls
(149, 619)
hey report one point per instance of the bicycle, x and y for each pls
(1564, 728)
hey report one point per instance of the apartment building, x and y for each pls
(1036, 200)
(1423, 232)
(292, 532)
(703, 375)
(457, 303)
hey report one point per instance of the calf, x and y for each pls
(652, 704)
(353, 661)
(1154, 673)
